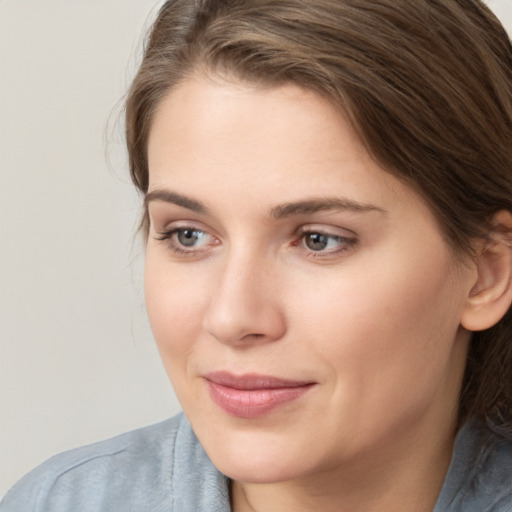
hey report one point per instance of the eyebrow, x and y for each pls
(283, 211)
(319, 205)
(179, 200)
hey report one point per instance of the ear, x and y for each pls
(491, 294)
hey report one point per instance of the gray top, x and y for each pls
(164, 468)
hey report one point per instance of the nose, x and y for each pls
(245, 307)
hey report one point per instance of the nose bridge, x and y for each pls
(244, 305)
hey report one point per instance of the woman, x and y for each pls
(328, 222)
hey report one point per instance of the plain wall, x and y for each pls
(77, 360)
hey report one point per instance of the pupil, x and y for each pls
(317, 241)
(188, 237)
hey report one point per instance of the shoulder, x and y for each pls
(480, 475)
(134, 471)
(493, 472)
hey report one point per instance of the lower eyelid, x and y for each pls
(345, 245)
(206, 241)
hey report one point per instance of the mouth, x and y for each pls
(250, 396)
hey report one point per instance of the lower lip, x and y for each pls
(252, 403)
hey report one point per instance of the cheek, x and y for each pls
(385, 337)
(389, 324)
(174, 303)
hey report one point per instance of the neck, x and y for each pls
(406, 475)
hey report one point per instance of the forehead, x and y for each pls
(214, 139)
(222, 122)
(203, 105)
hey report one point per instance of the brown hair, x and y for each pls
(426, 84)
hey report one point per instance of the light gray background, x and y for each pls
(77, 361)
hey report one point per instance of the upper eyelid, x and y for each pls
(340, 238)
(167, 237)
(318, 207)
(334, 231)
(174, 225)
(346, 244)
(159, 226)
(171, 231)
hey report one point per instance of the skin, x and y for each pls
(372, 317)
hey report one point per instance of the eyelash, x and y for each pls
(346, 243)
(175, 247)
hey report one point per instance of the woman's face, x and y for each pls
(304, 302)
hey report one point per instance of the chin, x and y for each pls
(257, 456)
(260, 470)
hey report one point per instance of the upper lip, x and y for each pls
(253, 381)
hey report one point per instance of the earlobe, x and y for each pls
(491, 294)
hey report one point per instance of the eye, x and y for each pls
(190, 237)
(318, 243)
(187, 240)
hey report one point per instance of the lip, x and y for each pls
(252, 395)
